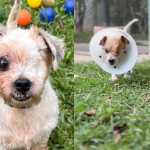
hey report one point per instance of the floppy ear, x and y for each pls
(50, 46)
(124, 40)
(2, 31)
(12, 22)
(103, 40)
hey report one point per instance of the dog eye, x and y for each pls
(106, 50)
(4, 64)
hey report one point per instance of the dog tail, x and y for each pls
(13, 17)
(129, 24)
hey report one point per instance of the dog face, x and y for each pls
(25, 59)
(113, 46)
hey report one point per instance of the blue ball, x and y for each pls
(69, 6)
(47, 14)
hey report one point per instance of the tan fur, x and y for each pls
(114, 44)
(30, 54)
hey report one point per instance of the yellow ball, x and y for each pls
(34, 3)
(48, 3)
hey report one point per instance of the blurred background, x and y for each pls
(93, 15)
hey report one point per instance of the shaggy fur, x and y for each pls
(30, 54)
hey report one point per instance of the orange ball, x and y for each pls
(24, 17)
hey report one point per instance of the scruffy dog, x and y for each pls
(28, 104)
(114, 47)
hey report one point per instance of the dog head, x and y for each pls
(113, 47)
(25, 60)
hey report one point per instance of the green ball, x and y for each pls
(1, 14)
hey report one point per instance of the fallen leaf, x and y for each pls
(89, 142)
(80, 95)
(117, 140)
(148, 98)
(119, 86)
(119, 129)
(104, 119)
(76, 76)
(61, 23)
(86, 66)
(91, 113)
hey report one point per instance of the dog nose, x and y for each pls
(22, 85)
(111, 61)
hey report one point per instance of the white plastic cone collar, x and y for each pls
(127, 60)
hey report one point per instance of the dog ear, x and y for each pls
(2, 31)
(103, 40)
(51, 47)
(124, 40)
(13, 17)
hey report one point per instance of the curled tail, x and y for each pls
(130, 23)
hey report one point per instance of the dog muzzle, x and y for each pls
(127, 60)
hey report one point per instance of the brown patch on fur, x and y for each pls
(115, 45)
(103, 40)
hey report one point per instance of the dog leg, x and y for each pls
(42, 145)
(114, 77)
(128, 74)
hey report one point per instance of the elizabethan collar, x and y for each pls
(127, 60)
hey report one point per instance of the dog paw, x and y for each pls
(113, 79)
(126, 76)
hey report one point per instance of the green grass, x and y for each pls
(142, 37)
(85, 37)
(82, 37)
(128, 103)
(62, 80)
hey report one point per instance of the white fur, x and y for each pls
(33, 49)
(26, 128)
(23, 127)
(128, 74)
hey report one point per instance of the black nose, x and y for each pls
(22, 85)
(111, 61)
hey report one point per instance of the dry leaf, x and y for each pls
(76, 76)
(119, 129)
(119, 86)
(61, 23)
(86, 66)
(104, 120)
(80, 95)
(148, 98)
(117, 140)
(91, 113)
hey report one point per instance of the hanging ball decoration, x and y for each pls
(24, 17)
(48, 14)
(69, 6)
(48, 3)
(34, 3)
(1, 14)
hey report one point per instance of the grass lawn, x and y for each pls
(82, 37)
(62, 80)
(122, 121)
(85, 37)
